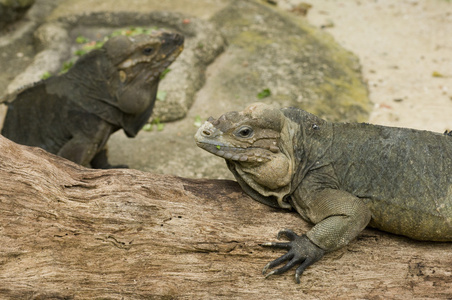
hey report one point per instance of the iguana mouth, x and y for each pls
(163, 66)
(233, 153)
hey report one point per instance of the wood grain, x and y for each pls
(67, 232)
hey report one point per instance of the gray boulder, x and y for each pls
(300, 65)
(11, 10)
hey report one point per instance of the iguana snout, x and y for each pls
(212, 140)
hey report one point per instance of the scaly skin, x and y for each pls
(74, 114)
(340, 177)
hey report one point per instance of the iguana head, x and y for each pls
(257, 146)
(139, 60)
(145, 56)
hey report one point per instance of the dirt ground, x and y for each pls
(405, 48)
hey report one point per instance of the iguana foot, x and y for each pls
(300, 251)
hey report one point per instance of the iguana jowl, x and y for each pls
(340, 177)
(73, 114)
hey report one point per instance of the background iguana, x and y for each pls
(340, 177)
(114, 87)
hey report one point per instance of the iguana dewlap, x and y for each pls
(340, 177)
(73, 114)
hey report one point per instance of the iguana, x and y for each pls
(73, 114)
(341, 177)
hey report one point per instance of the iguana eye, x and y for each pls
(148, 51)
(245, 132)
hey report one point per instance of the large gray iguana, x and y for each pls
(73, 114)
(340, 177)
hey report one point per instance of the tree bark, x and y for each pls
(68, 232)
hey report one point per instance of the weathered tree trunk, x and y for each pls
(70, 232)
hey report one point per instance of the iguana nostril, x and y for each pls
(206, 133)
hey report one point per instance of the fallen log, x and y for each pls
(68, 232)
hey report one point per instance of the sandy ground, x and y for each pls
(405, 48)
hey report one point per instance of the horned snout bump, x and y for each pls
(208, 130)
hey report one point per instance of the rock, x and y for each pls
(11, 10)
(17, 47)
(300, 65)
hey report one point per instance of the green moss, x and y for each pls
(264, 94)
(251, 40)
(342, 100)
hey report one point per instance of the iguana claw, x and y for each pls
(300, 251)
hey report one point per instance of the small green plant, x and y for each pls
(437, 74)
(150, 126)
(46, 75)
(264, 94)
(158, 124)
(88, 45)
(93, 45)
(161, 95)
(80, 52)
(81, 40)
(163, 74)
(66, 66)
(131, 31)
(198, 121)
(147, 127)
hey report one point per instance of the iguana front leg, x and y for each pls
(90, 134)
(339, 218)
(79, 149)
